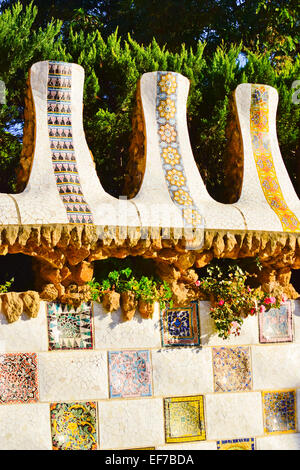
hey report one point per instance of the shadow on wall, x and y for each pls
(295, 279)
(18, 267)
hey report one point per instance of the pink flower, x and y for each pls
(252, 311)
(249, 289)
(270, 300)
(221, 302)
(197, 283)
(283, 298)
(262, 309)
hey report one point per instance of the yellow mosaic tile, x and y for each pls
(184, 419)
(236, 444)
(279, 410)
(261, 146)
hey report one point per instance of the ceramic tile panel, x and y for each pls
(125, 424)
(184, 419)
(25, 427)
(74, 426)
(279, 408)
(129, 374)
(268, 198)
(111, 331)
(170, 152)
(237, 444)
(180, 326)
(59, 109)
(191, 371)
(275, 366)
(295, 305)
(262, 153)
(73, 375)
(69, 327)
(209, 336)
(172, 180)
(26, 334)
(279, 442)
(232, 415)
(275, 325)
(18, 378)
(232, 369)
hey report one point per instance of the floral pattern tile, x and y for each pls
(180, 326)
(18, 378)
(279, 409)
(69, 327)
(170, 152)
(237, 444)
(232, 369)
(129, 374)
(184, 419)
(275, 325)
(74, 426)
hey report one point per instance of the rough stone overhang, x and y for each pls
(65, 219)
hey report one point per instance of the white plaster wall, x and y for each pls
(127, 423)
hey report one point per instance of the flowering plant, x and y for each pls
(231, 297)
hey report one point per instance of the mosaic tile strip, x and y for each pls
(279, 409)
(276, 324)
(180, 326)
(18, 378)
(61, 143)
(129, 374)
(74, 426)
(232, 369)
(184, 419)
(237, 444)
(261, 146)
(171, 158)
(69, 327)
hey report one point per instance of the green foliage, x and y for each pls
(113, 63)
(6, 286)
(226, 285)
(147, 288)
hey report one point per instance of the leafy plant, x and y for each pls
(4, 287)
(146, 288)
(231, 297)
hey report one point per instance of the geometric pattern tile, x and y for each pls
(69, 327)
(184, 419)
(74, 426)
(18, 378)
(129, 374)
(180, 326)
(237, 444)
(275, 325)
(279, 409)
(232, 369)
(61, 143)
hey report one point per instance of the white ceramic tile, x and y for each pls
(25, 427)
(26, 334)
(112, 332)
(73, 375)
(131, 423)
(182, 371)
(276, 366)
(279, 442)
(232, 415)
(209, 335)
